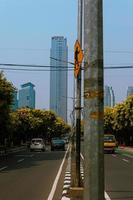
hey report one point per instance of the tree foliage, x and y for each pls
(6, 98)
(119, 120)
(28, 123)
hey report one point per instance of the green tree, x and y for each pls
(119, 120)
(108, 120)
(6, 98)
(28, 123)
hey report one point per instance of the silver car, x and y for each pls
(37, 144)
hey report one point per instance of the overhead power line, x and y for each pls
(62, 60)
(117, 51)
(13, 67)
(27, 49)
(36, 70)
(41, 49)
(118, 67)
(34, 66)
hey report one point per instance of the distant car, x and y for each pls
(37, 144)
(110, 143)
(66, 139)
(57, 144)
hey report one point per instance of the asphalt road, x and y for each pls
(119, 176)
(29, 175)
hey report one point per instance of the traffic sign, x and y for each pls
(78, 57)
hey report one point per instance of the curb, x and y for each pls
(124, 151)
(67, 180)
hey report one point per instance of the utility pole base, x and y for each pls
(76, 193)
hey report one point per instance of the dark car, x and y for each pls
(57, 144)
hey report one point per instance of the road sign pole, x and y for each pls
(93, 101)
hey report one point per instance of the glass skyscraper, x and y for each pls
(129, 90)
(27, 96)
(58, 76)
(109, 97)
(14, 105)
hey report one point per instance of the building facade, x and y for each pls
(14, 105)
(27, 96)
(109, 97)
(129, 90)
(58, 76)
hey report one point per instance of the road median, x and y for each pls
(125, 150)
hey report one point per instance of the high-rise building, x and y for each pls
(129, 90)
(58, 76)
(14, 105)
(27, 96)
(109, 97)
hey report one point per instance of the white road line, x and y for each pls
(114, 155)
(106, 196)
(3, 168)
(27, 156)
(18, 161)
(51, 195)
(125, 160)
(82, 156)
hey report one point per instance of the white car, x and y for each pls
(37, 144)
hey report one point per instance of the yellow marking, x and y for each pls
(96, 115)
(93, 94)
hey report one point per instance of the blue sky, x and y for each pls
(26, 28)
(118, 44)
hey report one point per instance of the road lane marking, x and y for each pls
(51, 195)
(82, 156)
(114, 155)
(3, 168)
(26, 156)
(21, 160)
(125, 160)
(106, 196)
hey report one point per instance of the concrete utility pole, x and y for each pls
(78, 100)
(93, 101)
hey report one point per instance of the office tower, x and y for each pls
(129, 90)
(112, 97)
(14, 105)
(109, 97)
(58, 76)
(27, 96)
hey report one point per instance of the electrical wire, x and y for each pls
(36, 70)
(34, 66)
(62, 60)
(10, 66)
(115, 51)
(118, 67)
